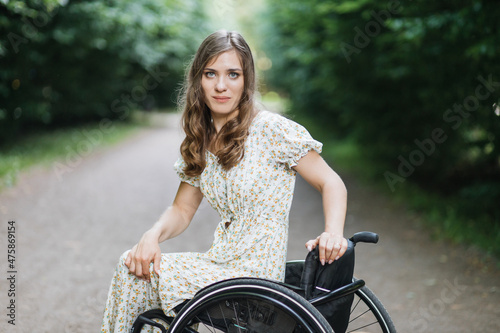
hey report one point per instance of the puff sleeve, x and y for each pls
(290, 141)
(179, 169)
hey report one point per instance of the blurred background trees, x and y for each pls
(414, 85)
(68, 62)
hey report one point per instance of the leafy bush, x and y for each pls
(67, 62)
(414, 84)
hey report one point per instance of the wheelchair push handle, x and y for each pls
(364, 237)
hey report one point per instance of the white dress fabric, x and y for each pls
(254, 196)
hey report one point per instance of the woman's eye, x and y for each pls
(233, 75)
(210, 74)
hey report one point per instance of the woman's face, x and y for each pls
(223, 85)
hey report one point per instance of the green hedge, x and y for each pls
(412, 83)
(71, 62)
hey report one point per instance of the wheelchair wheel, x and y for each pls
(368, 314)
(249, 305)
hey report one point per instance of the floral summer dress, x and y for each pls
(255, 196)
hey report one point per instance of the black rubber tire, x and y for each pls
(262, 299)
(384, 321)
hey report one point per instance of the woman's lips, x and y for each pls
(221, 99)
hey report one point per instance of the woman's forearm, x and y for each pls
(334, 194)
(176, 218)
(333, 191)
(170, 224)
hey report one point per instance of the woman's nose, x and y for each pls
(221, 85)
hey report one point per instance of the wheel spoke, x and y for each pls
(368, 311)
(237, 319)
(350, 321)
(210, 318)
(223, 317)
(355, 306)
(211, 323)
(354, 330)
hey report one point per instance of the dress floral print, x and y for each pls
(254, 196)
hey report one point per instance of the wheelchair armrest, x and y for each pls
(338, 293)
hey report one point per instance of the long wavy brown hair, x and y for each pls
(196, 118)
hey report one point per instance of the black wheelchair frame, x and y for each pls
(252, 305)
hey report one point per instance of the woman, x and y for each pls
(244, 161)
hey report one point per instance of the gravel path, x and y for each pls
(72, 227)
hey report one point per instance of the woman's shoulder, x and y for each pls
(268, 119)
(287, 139)
(277, 123)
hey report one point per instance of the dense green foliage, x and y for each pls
(71, 62)
(413, 84)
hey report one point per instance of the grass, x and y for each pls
(67, 146)
(440, 215)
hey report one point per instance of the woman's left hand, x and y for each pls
(331, 246)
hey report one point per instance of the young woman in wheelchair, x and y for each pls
(243, 160)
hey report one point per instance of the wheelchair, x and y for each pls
(299, 304)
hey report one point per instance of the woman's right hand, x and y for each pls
(144, 253)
